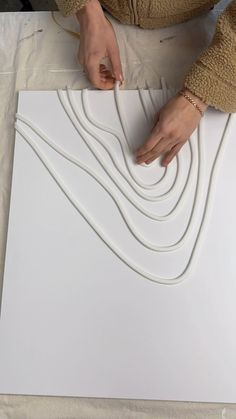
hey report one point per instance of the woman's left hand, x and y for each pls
(176, 121)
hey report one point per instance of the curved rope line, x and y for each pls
(125, 132)
(182, 195)
(165, 90)
(83, 166)
(179, 158)
(165, 96)
(156, 100)
(112, 131)
(148, 115)
(154, 106)
(70, 110)
(127, 219)
(115, 249)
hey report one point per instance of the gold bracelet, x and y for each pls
(184, 94)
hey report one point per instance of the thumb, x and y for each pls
(116, 65)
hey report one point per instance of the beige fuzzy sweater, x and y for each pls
(213, 76)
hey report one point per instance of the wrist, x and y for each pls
(202, 105)
(90, 12)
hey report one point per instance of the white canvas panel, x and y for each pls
(119, 279)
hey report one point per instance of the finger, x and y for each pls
(153, 140)
(116, 65)
(162, 147)
(107, 83)
(158, 152)
(162, 144)
(153, 157)
(106, 77)
(106, 73)
(96, 78)
(103, 67)
(151, 160)
(92, 68)
(169, 156)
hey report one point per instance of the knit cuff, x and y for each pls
(211, 88)
(70, 7)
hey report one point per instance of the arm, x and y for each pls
(97, 41)
(210, 81)
(176, 121)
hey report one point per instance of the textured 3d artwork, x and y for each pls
(119, 278)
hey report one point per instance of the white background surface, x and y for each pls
(83, 323)
(47, 60)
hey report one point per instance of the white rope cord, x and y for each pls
(79, 163)
(164, 89)
(154, 105)
(148, 115)
(151, 119)
(179, 158)
(187, 185)
(134, 231)
(125, 130)
(115, 249)
(78, 120)
(69, 106)
(112, 131)
(123, 124)
(83, 120)
(155, 100)
(165, 96)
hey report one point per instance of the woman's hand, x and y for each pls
(97, 41)
(176, 121)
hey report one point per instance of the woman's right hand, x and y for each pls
(97, 41)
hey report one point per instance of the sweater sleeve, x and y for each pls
(69, 7)
(213, 76)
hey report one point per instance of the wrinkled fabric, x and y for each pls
(36, 54)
